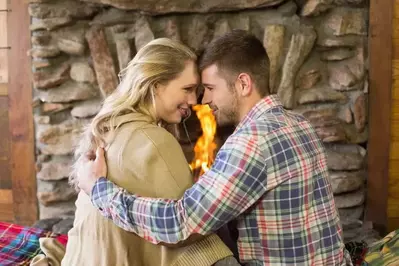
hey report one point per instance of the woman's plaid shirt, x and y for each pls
(271, 175)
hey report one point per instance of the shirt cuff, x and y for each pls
(102, 193)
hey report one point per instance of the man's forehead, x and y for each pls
(210, 73)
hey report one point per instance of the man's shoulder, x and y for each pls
(272, 121)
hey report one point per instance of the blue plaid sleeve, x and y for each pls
(235, 181)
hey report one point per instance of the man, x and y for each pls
(270, 175)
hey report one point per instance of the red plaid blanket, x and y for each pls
(19, 244)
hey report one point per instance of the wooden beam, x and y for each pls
(3, 42)
(380, 51)
(20, 115)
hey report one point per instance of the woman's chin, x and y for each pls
(173, 120)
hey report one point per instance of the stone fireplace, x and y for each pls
(318, 59)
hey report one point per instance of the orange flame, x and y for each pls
(205, 147)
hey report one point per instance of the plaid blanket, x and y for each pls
(384, 252)
(19, 244)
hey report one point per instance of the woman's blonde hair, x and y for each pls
(158, 62)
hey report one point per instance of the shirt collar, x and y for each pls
(261, 107)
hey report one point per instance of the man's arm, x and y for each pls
(236, 181)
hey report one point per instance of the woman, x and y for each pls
(157, 89)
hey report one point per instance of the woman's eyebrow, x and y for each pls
(208, 85)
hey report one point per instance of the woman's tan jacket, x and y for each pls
(146, 160)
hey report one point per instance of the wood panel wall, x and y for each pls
(18, 202)
(380, 103)
(393, 187)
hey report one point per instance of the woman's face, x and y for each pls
(173, 100)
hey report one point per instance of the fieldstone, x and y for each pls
(171, 28)
(322, 117)
(360, 112)
(124, 52)
(300, 46)
(53, 62)
(309, 79)
(353, 213)
(46, 224)
(331, 133)
(54, 107)
(320, 95)
(288, 9)
(348, 117)
(44, 51)
(144, 33)
(337, 54)
(41, 119)
(87, 108)
(71, 40)
(60, 139)
(351, 225)
(49, 23)
(55, 170)
(341, 78)
(39, 63)
(42, 158)
(348, 2)
(241, 22)
(82, 72)
(54, 191)
(353, 135)
(273, 41)
(351, 199)
(346, 181)
(337, 42)
(74, 9)
(315, 7)
(102, 60)
(345, 157)
(63, 226)
(41, 38)
(197, 33)
(357, 66)
(69, 91)
(123, 32)
(47, 79)
(113, 16)
(57, 210)
(344, 21)
(320, 114)
(221, 28)
(188, 6)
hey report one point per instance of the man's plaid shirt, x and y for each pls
(270, 175)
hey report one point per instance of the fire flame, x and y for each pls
(205, 147)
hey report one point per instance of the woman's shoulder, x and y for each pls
(142, 134)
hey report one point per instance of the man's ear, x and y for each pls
(244, 84)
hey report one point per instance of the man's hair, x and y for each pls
(238, 52)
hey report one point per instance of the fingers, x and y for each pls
(99, 154)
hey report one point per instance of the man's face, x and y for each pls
(221, 98)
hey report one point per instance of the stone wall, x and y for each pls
(317, 51)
